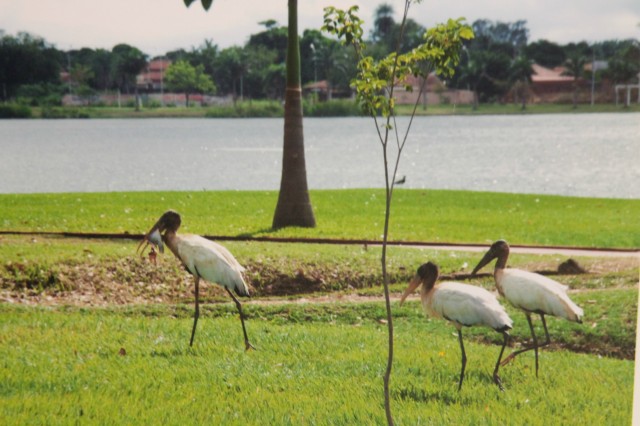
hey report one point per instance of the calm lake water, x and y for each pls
(573, 154)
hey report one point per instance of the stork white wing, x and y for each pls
(537, 293)
(467, 305)
(211, 261)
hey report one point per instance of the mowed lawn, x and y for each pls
(417, 215)
(316, 363)
(129, 366)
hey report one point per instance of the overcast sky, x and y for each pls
(158, 26)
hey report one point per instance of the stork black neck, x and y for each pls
(502, 257)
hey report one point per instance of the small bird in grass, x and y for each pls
(462, 305)
(531, 293)
(203, 259)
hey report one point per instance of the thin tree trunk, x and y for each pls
(137, 97)
(294, 206)
(387, 297)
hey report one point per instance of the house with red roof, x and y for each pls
(551, 84)
(151, 79)
(435, 92)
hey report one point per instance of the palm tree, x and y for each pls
(294, 206)
(470, 73)
(383, 22)
(575, 67)
(520, 75)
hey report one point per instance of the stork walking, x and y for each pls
(203, 259)
(531, 293)
(462, 305)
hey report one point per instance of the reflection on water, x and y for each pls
(566, 154)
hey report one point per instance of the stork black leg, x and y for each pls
(535, 343)
(244, 330)
(496, 378)
(197, 313)
(546, 333)
(464, 360)
(512, 355)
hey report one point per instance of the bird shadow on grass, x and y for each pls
(258, 232)
(177, 351)
(172, 353)
(447, 396)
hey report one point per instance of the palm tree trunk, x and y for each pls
(137, 97)
(294, 206)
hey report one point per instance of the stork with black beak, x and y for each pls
(462, 305)
(531, 293)
(203, 259)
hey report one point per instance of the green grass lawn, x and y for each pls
(262, 108)
(418, 215)
(65, 366)
(316, 363)
(485, 109)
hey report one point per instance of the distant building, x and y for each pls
(152, 78)
(551, 85)
(324, 91)
(597, 65)
(435, 92)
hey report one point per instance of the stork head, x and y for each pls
(499, 250)
(169, 221)
(427, 274)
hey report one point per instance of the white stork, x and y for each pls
(462, 305)
(203, 259)
(531, 293)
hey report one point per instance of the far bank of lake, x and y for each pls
(336, 108)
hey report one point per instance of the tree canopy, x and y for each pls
(255, 69)
(26, 60)
(185, 78)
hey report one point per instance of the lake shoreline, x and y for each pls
(274, 109)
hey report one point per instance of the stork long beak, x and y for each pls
(488, 257)
(415, 283)
(152, 237)
(140, 248)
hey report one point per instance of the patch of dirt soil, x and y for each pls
(136, 280)
(602, 347)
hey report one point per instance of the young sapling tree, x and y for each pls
(375, 83)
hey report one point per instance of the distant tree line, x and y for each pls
(496, 61)
(499, 58)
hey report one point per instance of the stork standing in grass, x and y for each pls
(203, 259)
(531, 293)
(462, 305)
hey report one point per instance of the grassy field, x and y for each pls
(516, 109)
(418, 215)
(132, 366)
(92, 333)
(273, 109)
